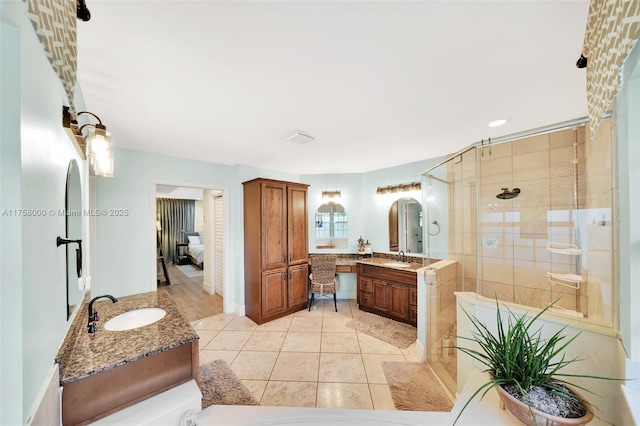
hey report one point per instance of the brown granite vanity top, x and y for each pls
(83, 354)
(384, 262)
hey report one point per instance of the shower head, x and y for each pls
(507, 195)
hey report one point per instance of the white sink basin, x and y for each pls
(134, 319)
(397, 264)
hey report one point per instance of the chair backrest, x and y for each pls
(323, 268)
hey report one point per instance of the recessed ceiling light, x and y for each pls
(497, 123)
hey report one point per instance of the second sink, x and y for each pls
(135, 319)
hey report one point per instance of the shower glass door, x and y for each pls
(451, 247)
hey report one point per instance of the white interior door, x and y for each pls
(218, 243)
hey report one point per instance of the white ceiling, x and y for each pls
(380, 83)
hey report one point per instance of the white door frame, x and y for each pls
(228, 300)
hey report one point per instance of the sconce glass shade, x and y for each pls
(100, 151)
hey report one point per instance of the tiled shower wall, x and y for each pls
(503, 248)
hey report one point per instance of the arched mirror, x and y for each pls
(405, 226)
(331, 226)
(73, 225)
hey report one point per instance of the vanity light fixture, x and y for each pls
(331, 194)
(93, 144)
(413, 186)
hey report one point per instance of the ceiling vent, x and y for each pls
(300, 137)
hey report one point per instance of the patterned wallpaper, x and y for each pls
(55, 24)
(613, 27)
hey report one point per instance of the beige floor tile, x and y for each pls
(341, 368)
(411, 358)
(344, 395)
(373, 366)
(301, 341)
(280, 324)
(344, 309)
(381, 396)
(306, 324)
(265, 341)
(206, 336)
(207, 356)
(371, 345)
(340, 343)
(315, 312)
(228, 340)
(289, 394)
(296, 367)
(256, 387)
(336, 325)
(410, 350)
(241, 323)
(216, 322)
(254, 365)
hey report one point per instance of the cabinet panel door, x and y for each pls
(274, 225)
(297, 226)
(413, 314)
(273, 292)
(365, 299)
(381, 295)
(298, 291)
(399, 301)
(365, 284)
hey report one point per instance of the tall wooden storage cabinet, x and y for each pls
(276, 249)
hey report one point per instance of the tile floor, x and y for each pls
(306, 359)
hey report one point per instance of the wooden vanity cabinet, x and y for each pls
(388, 292)
(276, 256)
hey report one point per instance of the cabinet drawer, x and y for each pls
(413, 296)
(366, 299)
(365, 284)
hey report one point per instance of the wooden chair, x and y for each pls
(324, 280)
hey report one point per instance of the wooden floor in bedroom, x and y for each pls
(193, 302)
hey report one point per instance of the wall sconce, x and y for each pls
(334, 195)
(413, 186)
(95, 145)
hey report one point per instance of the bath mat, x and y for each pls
(393, 332)
(220, 386)
(190, 271)
(414, 387)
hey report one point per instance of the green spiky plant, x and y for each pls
(519, 357)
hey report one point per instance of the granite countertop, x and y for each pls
(83, 354)
(384, 262)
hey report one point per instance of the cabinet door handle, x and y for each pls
(283, 258)
(290, 257)
(289, 275)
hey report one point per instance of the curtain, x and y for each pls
(54, 22)
(613, 26)
(176, 217)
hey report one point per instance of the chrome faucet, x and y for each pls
(93, 315)
(401, 256)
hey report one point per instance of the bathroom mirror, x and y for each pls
(331, 226)
(73, 229)
(405, 226)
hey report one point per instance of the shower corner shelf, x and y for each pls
(560, 248)
(567, 280)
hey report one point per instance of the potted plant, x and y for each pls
(525, 369)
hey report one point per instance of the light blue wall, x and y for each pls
(376, 218)
(126, 244)
(35, 155)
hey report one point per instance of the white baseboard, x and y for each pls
(49, 408)
(207, 287)
(421, 353)
(239, 310)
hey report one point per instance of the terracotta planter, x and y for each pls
(520, 411)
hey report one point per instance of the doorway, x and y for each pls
(191, 229)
